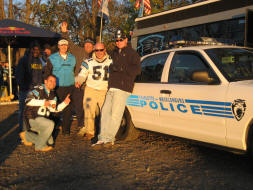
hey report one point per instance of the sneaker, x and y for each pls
(82, 132)
(46, 149)
(94, 140)
(23, 140)
(98, 144)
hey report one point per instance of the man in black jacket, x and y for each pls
(28, 75)
(122, 72)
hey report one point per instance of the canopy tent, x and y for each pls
(18, 34)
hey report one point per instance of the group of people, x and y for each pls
(4, 80)
(85, 79)
(4, 74)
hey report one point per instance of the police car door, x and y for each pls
(142, 103)
(189, 107)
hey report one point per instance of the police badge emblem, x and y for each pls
(239, 108)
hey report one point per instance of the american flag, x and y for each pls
(147, 5)
(104, 8)
(100, 2)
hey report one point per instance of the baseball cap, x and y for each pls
(63, 42)
(120, 34)
(34, 44)
(47, 46)
(89, 40)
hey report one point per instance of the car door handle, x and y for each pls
(165, 91)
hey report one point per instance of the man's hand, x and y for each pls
(77, 84)
(64, 26)
(115, 68)
(67, 99)
(47, 103)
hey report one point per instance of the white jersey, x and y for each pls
(95, 73)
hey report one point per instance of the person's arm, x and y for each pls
(74, 49)
(20, 72)
(114, 67)
(83, 74)
(48, 68)
(60, 107)
(134, 67)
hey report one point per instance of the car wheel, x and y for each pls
(250, 143)
(127, 131)
(250, 150)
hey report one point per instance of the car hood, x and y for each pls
(240, 90)
(245, 83)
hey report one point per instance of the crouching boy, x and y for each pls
(41, 100)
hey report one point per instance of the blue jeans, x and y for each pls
(111, 116)
(21, 98)
(44, 128)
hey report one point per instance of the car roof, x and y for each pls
(202, 47)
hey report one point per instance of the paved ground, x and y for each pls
(151, 162)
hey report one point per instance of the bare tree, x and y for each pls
(10, 10)
(89, 18)
(31, 10)
(2, 13)
(28, 11)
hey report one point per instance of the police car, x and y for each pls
(203, 93)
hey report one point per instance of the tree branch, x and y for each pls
(35, 9)
(87, 11)
(28, 11)
(10, 10)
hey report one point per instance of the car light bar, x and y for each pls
(194, 43)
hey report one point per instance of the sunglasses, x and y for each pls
(99, 50)
(120, 40)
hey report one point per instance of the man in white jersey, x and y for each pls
(95, 72)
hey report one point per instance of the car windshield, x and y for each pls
(236, 64)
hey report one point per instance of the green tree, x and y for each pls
(80, 15)
(83, 20)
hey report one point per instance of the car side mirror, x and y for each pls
(202, 77)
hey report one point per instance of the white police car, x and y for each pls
(202, 93)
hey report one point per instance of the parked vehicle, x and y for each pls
(202, 93)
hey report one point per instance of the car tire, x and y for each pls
(250, 151)
(127, 131)
(250, 142)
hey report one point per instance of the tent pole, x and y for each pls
(101, 21)
(101, 26)
(10, 77)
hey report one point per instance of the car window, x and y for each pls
(236, 64)
(185, 64)
(152, 68)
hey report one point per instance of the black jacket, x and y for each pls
(124, 68)
(29, 72)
